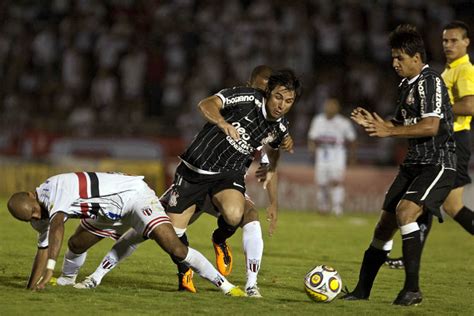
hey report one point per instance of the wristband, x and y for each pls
(51, 264)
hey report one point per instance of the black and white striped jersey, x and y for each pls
(421, 97)
(214, 152)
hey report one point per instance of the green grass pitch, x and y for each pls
(145, 283)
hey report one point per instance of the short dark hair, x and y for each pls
(458, 25)
(261, 71)
(285, 78)
(407, 38)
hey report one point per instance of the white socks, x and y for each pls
(205, 269)
(123, 248)
(337, 199)
(253, 248)
(72, 263)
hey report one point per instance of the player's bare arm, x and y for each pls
(39, 265)
(56, 235)
(210, 107)
(465, 106)
(426, 127)
(273, 157)
(272, 191)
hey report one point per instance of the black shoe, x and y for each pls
(351, 296)
(407, 298)
(395, 263)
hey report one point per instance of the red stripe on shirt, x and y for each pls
(83, 192)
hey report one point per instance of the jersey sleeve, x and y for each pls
(350, 134)
(236, 96)
(430, 93)
(465, 82)
(57, 195)
(313, 129)
(42, 227)
(282, 133)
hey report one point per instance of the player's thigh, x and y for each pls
(408, 212)
(82, 240)
(181, 220)
(166, 238)
(231, 205)
(337, 173)
(454, 201)
(322, 174)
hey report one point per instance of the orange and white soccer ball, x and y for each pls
(323, 283)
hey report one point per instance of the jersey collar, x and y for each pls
(416, 77)
(461, 60)
(264, 111)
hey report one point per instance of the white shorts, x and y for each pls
(146, 213)
(327, 173)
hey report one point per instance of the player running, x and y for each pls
(108, 205)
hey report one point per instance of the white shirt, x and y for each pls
(331, 135)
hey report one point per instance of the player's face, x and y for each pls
(454, 45)
(405, 65)
(280, 101)
(331, 108)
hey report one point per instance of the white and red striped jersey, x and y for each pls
(331, 136)
(90, 194)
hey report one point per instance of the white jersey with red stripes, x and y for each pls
(90, 194)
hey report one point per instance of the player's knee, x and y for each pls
(452, 208)
(233, 219)
(179, 251)
(250, 215)
(75, 245)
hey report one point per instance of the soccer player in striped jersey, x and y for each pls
(108, 205)
(426, 176)
(251, 237)
(459, 79)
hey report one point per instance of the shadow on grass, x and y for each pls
(15, 281)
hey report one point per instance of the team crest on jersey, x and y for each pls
(270, 138)
(173, 200)
(410, 98)
(147, 211)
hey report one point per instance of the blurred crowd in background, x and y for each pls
(138, 67)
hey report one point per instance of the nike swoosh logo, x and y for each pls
(411, 192)
(247, 119)
(238, 185)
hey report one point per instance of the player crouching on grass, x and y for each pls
(109, 204)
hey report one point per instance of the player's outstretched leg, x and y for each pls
(185, 274)
(253, 248)
(374, 256)
(76, 254)
(165, 236)
(223, 251)
(122, 249)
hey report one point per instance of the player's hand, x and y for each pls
(261, 172)
(361, 116)
(378, 127)
(229, 130)
(272, 217)
(287, 144)
(48, 274)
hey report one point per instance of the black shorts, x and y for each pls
(190, 187)
(463, 153)
(426, 185)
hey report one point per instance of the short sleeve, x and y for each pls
(430, 92)
(313, 129)
(465, 82)
(236, 96)
(57, 194)
(42, 227)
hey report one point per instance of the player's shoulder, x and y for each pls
(240, 94)
(429, 73)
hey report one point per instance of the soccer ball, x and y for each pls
(322, 283)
